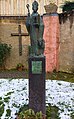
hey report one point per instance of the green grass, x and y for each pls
(8, 113)
(69, 77)
(6, 99)
(1, 108)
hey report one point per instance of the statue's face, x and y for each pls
(35, 7)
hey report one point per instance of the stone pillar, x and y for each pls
(37, 84)
(51, 37)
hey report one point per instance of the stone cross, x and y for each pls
(20, 34)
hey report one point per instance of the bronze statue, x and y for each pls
(35, 27)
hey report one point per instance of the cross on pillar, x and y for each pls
(20, 34)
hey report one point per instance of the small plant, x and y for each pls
(4, 53)
(20, 66)
(67, 6)
(30, 114)
(72, 115)
(52, 112)
(39, 115)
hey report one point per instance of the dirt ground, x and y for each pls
(24, 74)
(13, 74)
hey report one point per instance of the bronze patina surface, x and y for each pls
(35, 27)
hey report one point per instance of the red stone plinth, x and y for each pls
(51, 37)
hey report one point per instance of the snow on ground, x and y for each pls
(14, 94)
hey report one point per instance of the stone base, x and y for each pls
(37, 84)
(51, 41)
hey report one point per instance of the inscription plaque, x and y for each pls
(36, 67)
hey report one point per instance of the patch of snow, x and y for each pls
(61, 94)
(58, 93)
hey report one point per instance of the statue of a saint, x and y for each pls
(35, 27)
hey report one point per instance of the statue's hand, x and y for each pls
(41, 43)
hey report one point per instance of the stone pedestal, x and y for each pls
(37, 84)
(51, 37)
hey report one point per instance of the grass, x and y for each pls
(63, 76)
(1, 108)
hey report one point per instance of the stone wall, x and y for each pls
(66, 54)
(62, 59)
(6, 28)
